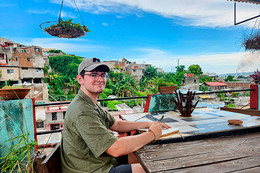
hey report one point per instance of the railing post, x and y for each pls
(255, 96)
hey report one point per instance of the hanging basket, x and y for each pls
(252, 43)
(65, 29)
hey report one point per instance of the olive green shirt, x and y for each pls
(86, 137)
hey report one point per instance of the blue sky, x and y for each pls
(157, 32)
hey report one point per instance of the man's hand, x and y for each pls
(156, 129)
(165, 125)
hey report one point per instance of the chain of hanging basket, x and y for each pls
(65, 29)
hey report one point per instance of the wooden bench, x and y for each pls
(51, 163)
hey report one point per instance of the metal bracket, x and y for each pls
(235, 23)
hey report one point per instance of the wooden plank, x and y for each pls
(52, 163)
(248, 164)
(242, 111)
(200, 154)
(165, 151)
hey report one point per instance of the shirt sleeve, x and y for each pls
(95, 134)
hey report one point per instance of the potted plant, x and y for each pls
(252, 42)
(66, 29)
(254, 96)
(13, 92)
(166, 87)
(256, 77)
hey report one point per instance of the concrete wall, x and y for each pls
(234, 85)
(16, 118)
(12, 76)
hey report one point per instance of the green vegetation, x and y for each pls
(229, 78)
(67, 24)
(195, 69)
(16, 157)
(55, 51)
(230, 105)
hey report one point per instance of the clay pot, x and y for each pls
(167, 89)
(15, 93)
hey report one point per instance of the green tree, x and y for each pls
(179, 76)
(229, 78)
(204, 79)
(195, 69)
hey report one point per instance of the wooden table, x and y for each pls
(204, 147)
(240, 153)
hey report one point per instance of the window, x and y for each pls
(40, 124)
(194, 80)
(2, 56)
(28, 59)
(55, 126)
(24, 68)
(38, 70)
(64, 115)
(54, 116)
(10, 71)
(36, 49)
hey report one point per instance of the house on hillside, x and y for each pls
(23, 65)
(216, 85)
(190, 82)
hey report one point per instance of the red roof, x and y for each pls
(215, 84)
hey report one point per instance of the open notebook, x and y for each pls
(165, 132)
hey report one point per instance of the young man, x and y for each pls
(88, 144)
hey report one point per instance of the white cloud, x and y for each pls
(211, 13)
(105, 24)
(67, 45)
(218, 63)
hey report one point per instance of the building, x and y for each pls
(20, 63)
(135, 70)
(216, 85)
(190, 82)
(54, 117)
(23, 65)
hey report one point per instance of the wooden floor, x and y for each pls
(239, 153)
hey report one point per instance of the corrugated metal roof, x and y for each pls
(247, 1)
(215, 84)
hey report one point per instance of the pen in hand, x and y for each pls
(161, 118)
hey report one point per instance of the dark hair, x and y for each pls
(82, 73)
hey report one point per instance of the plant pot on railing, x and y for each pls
(167, 89)
(10, 93)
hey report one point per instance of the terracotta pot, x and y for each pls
(16, 93)
(167, 89)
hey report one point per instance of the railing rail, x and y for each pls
(126, 98)
(141, 97)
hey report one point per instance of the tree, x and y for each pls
(229, 78)
(195, 69)
(179, 76)
(180, 68)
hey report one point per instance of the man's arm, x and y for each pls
(129, 144)
(126, 126)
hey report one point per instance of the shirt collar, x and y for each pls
(86, 98)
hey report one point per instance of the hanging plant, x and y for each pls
(67, 29)
(252, 42)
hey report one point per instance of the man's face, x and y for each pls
(93, 82)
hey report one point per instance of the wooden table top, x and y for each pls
(239, 153)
